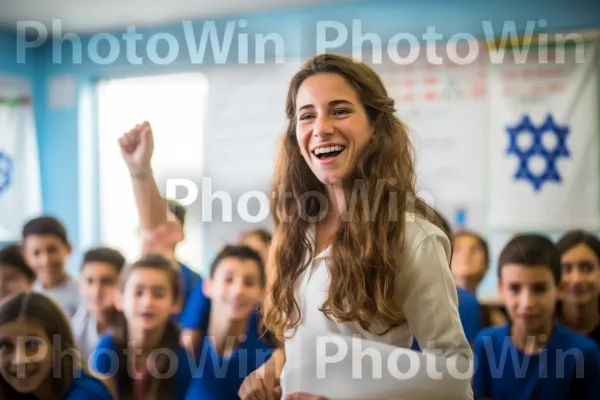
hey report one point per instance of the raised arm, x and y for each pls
(137, 147)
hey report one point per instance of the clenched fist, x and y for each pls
(137, 146)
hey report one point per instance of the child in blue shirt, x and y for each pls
(194, 319)
(47, 363)
(162, 221)
(533, 357)
(233, 345)
(141, 357)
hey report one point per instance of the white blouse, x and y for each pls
(426, 292)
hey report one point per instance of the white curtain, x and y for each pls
(20, 186)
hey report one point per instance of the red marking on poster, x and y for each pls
(408, 97)
(430, 96)
(431, 80)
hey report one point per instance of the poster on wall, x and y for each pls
(544, 141)
(20, 188)
(444, 107)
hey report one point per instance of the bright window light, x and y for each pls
(175, 107)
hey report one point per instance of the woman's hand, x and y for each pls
(263, 383)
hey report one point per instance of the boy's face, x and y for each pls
(47, 256)
(235, 289)
(99, 286)
(12, 281)
(529, 294)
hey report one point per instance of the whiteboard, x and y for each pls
(246, 117)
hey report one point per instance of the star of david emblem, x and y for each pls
(5, 171)
(537, 147)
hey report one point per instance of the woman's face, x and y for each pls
(332, 127)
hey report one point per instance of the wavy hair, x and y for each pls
(366, 251)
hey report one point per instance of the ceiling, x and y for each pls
(93, 15)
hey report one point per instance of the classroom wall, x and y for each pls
(66, 125)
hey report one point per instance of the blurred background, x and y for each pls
(501, 98)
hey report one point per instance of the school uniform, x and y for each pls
(105, 361)
(219, 378)
(189, 280)
(425, 290)
(567, 368)
(469, 310)
(196, 313)
(595, 334)
(87, 387)
(85, 331)
(67, 294)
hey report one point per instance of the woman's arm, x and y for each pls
(429, 299)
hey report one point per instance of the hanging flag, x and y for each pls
(20, 188)
(544, 141)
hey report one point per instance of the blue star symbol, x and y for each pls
(5, 171)
(537, 148)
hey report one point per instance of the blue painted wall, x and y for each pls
(60, 129)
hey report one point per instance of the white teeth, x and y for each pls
(323, 150)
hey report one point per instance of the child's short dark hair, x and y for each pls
(240, 252)
(178, 210)
(531, 250)
(45, 225)
(106, 255)
(12, 255)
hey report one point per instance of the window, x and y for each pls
(175, 106)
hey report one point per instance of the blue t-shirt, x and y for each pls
(196, 312)
(105, 361)
(190, 280)
(568, 368)
(469, 310)
(220, 378)
(87, 387)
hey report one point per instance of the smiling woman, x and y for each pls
(374, 265)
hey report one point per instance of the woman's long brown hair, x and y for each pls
(366, 254)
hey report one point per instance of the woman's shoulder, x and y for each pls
(419, 229)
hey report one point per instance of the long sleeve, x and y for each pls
(429, 299)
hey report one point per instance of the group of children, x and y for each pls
(123, 330)
(544, 342)
(155, 329)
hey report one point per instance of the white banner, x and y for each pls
(544, 141)
(20, 187)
